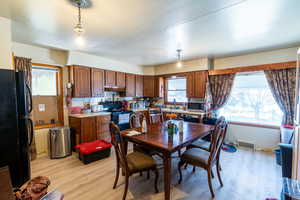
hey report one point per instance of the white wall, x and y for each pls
(78, 58)
(5, 44)
(266, 57)
(187, 66)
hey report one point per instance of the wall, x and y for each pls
(187, 66)
(266, 57)
(78, 58)
(5, 44)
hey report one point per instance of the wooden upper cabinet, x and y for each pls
(149, 86)
(81, 79)
(120, 79)
(139, 86)
(97, 82)
(200, 83)
(130, 85)
(159, 87)
(196, 84)
(110, 78)
(190, 77)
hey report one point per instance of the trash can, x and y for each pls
(59, 142)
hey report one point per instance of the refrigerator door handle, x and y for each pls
(29, 103)
(30, 128)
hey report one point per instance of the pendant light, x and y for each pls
(78, 28)
(179, 64)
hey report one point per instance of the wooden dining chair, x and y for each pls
(131, 163)
(155, 115)
(206, 159)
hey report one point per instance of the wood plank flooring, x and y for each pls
(247, 175)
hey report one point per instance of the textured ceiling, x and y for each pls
(148, 32)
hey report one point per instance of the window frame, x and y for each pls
(167, 89)
(60, 97)
(253, 124)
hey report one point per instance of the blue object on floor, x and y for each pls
(229, 148)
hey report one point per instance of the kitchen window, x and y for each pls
(176, 90)
(251, 101)
(47, 96)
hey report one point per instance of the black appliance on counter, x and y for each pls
(195, 106)
(16, 128)
(119, 116)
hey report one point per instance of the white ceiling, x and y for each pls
(148, 32)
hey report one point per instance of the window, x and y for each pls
(47, 96)
(251, 101)
(44, 81)
(176, 90)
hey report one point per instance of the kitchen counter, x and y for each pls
(181, 111)
(90, 114)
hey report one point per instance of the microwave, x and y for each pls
(195, 106)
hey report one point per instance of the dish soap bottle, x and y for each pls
(144, 126)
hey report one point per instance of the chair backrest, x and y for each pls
(217, 139)
(136, 120)
(117, 141)
(155, 115)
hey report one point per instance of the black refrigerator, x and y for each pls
(16, 128)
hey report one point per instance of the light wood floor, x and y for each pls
(247, 175)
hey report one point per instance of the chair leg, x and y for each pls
(180, 173)
(148, 174)
(126, 187)
(156, 180)
(141, 173)
(185, 166)
(179, 153)
(194, 169)
(219, 176)
(117, 175)
(209, 183)
(212, 174)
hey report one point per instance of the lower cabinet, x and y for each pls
(88, 129)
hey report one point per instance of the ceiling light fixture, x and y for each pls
(79, 28)
(179, 64)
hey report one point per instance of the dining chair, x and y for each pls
(155, 115)
(206, 159)
(131, 163)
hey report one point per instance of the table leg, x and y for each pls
(167, 174)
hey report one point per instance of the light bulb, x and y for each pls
(80, 40)
(179, 64)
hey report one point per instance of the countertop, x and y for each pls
(90, 114)
(167, 110)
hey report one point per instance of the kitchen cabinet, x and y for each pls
(130, 85)
(149, 86)
(196, 84)
(88, 129)
(159, 87)
(97, 82)
(80, 77)
(110, 78)
(120, 79)
(139, 86)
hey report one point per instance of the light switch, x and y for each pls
(42, 107)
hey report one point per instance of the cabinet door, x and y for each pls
(139, 85)
(88, 129)
(149, 86)
(102, 124)
(200, 84)
(97, 82)
(82, 81)
(110, 78)
(190, 84)
(159, 87)
(120, 79)
(130, 85)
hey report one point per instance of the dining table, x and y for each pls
(157, 138)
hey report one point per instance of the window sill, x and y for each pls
(38, 127)
(254, 125)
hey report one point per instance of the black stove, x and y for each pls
(118, 115)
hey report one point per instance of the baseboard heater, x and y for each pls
(241, 143)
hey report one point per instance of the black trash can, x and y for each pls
(278, 156)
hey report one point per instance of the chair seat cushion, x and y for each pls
(202, 144)
(138, 161)
(196, 155)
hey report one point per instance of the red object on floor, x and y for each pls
(271, 199)
(289, 127)
(91, 147)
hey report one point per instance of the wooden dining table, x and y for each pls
(157, 139)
